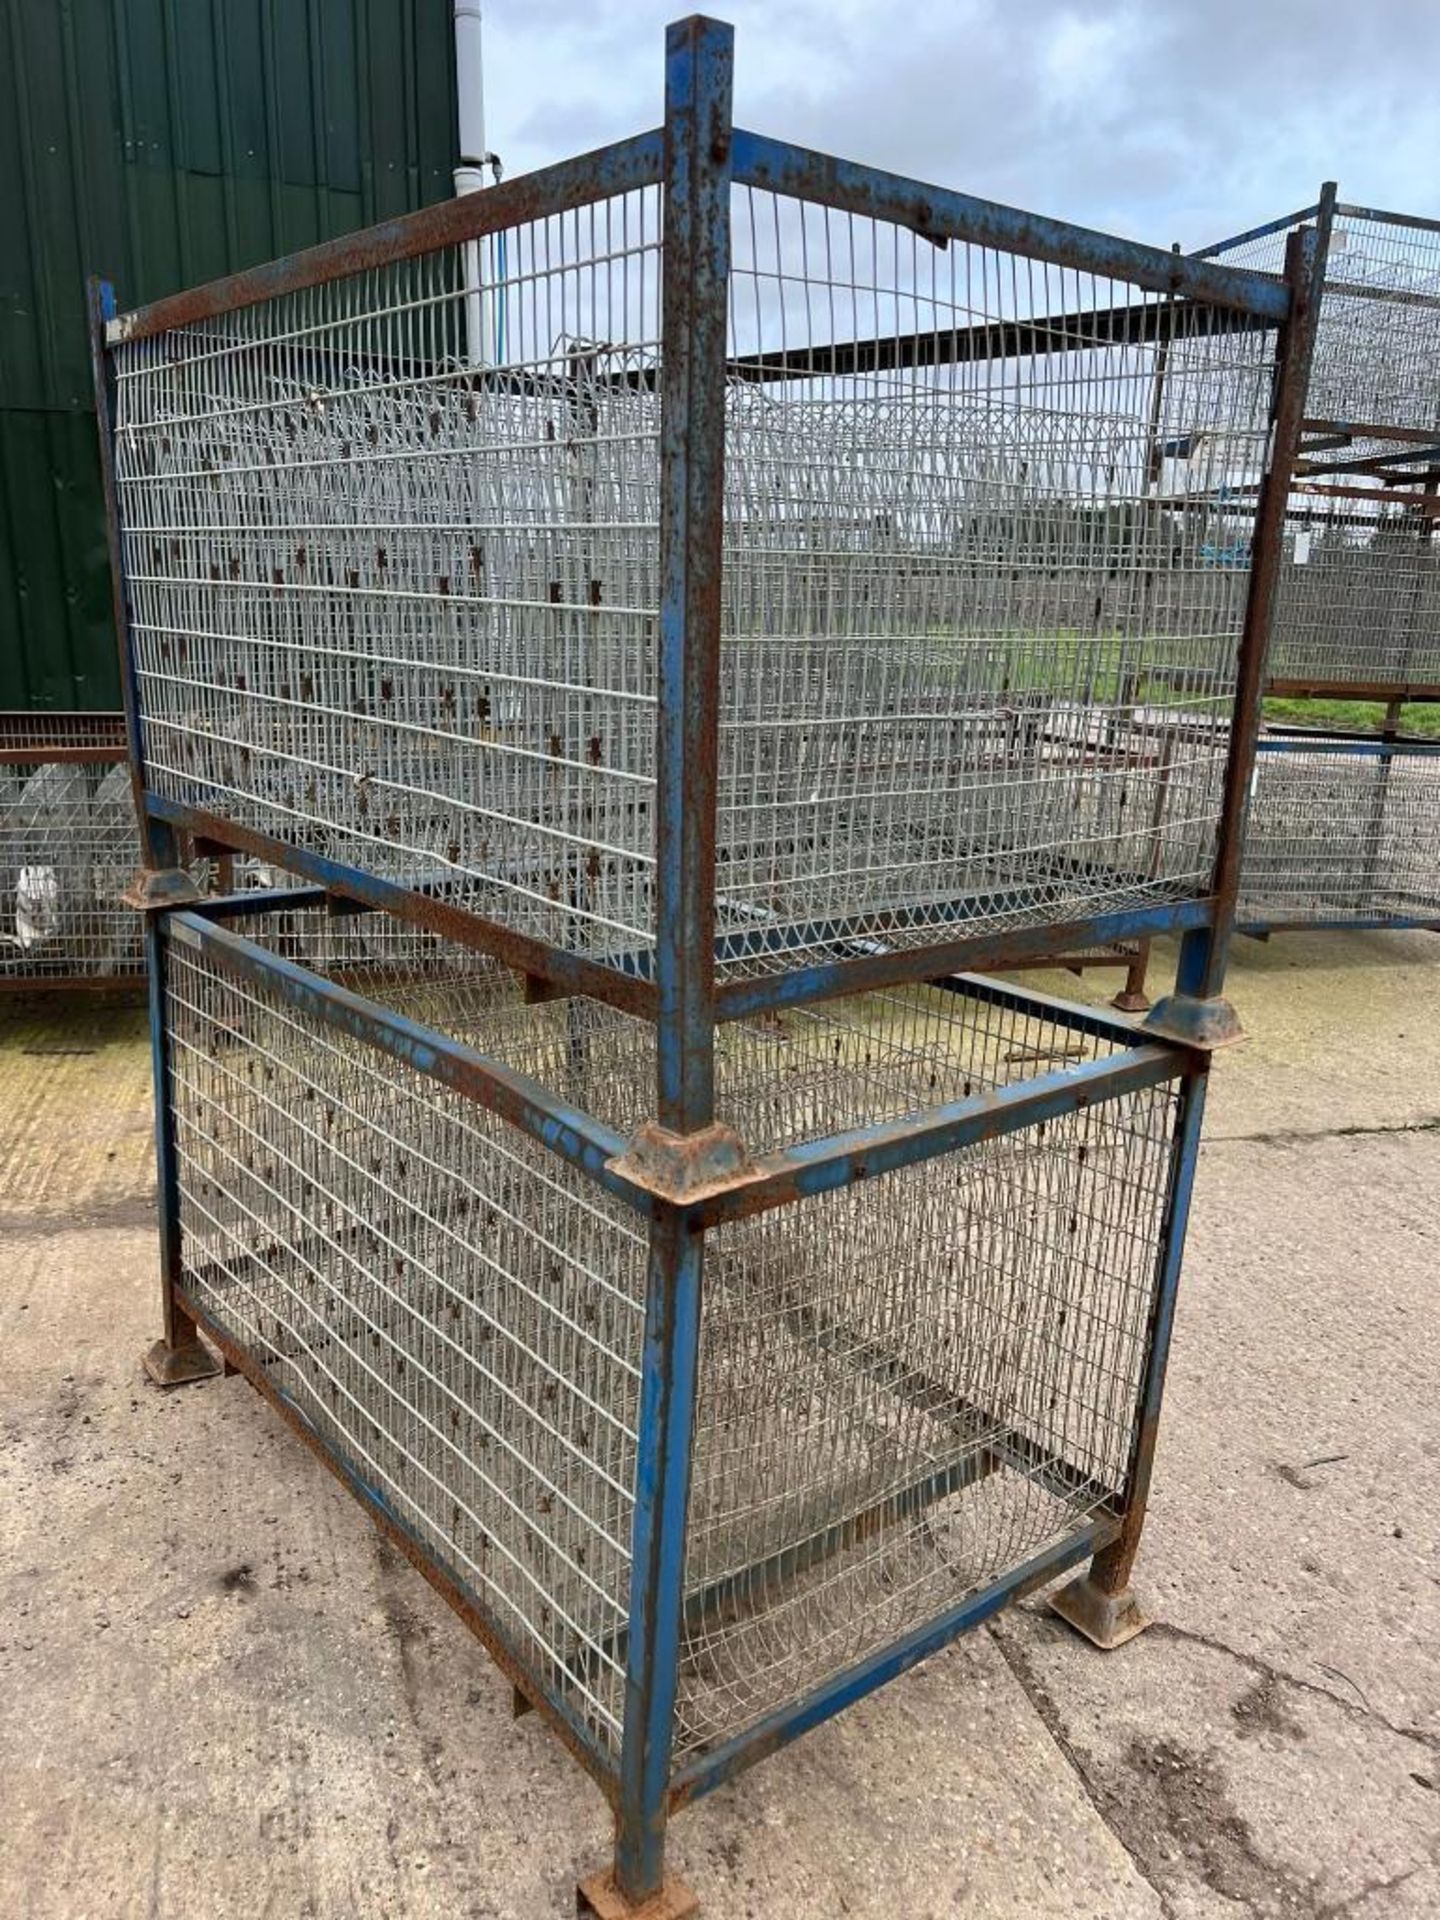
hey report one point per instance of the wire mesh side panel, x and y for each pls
(454, 1312)
(1335, 834)
(391, 546)
(984, 590)
(68, 849)
(1358, 597)
(1359, 594)
(910, 1386)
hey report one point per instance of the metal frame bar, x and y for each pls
(1205, 952)
(525, 1103)
(941, 214)
(621, 167)
(699, 71)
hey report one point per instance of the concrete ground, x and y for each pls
(221, 1695)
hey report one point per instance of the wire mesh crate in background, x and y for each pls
(69, 846)
(401, 611)
(908, 1387)
(1342, 832)
(1358, 603)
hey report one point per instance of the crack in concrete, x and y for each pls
(131, 1210)
(1188, 1802)
(1167, 1630)
(1299, 1136)
(1048, 1715)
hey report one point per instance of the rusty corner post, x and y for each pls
(179, 1355)
(1101, 1603)
(699, 61)
(1196, 1013)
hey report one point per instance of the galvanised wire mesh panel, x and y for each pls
(400, 609)
(1358, 596)
(68, 849)
(906, 1387)
(455, 1312)
(1359, 592)
(1339, 832)
(981, 626)
(910, 1386)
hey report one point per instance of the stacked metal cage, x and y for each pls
(68, 850)
(1345, 827)
(714, 593)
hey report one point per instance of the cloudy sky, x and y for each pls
(1162, 119)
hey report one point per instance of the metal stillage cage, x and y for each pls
(1358, 606)
(711, 592)
(1342, 833)
(68, 846)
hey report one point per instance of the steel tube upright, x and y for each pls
(179, 1355)
(1196, 1010)
(1101, 1602)
(699, 64)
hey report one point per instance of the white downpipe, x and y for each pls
(470, 174)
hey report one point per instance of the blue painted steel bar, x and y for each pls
(262, 901)
(179, 1327)
(699, 64)
(1075, 1018)
(101, 300)
(620, 168)
(1352, 746)
(863, 1153)
(825, 979)
(1282, 225)
(939, 213)
(699, 61)
(437, 915)
(1415, 220)
(515, 1097)
(722, 1763)
(657, 1551)
(1375, 923)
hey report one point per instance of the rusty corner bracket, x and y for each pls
(155, 888)
(178, 1366)
(598, 1898)
(1205, 1024)
(1107, 1620)
(682, 1167)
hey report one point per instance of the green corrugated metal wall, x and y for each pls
(162, 143)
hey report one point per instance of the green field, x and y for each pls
(1354, 716)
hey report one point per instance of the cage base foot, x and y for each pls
(598, 1898)
(1131, 1002)
(178, 1366)
(1106, 1620)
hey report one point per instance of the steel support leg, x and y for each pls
(1132, 997)
(180, 1356)
(636, 1887)
(1101, 1603)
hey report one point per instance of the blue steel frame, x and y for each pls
(645, 1789)
(691, 1177)
(696, 176)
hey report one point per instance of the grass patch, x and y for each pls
(1355, 716)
